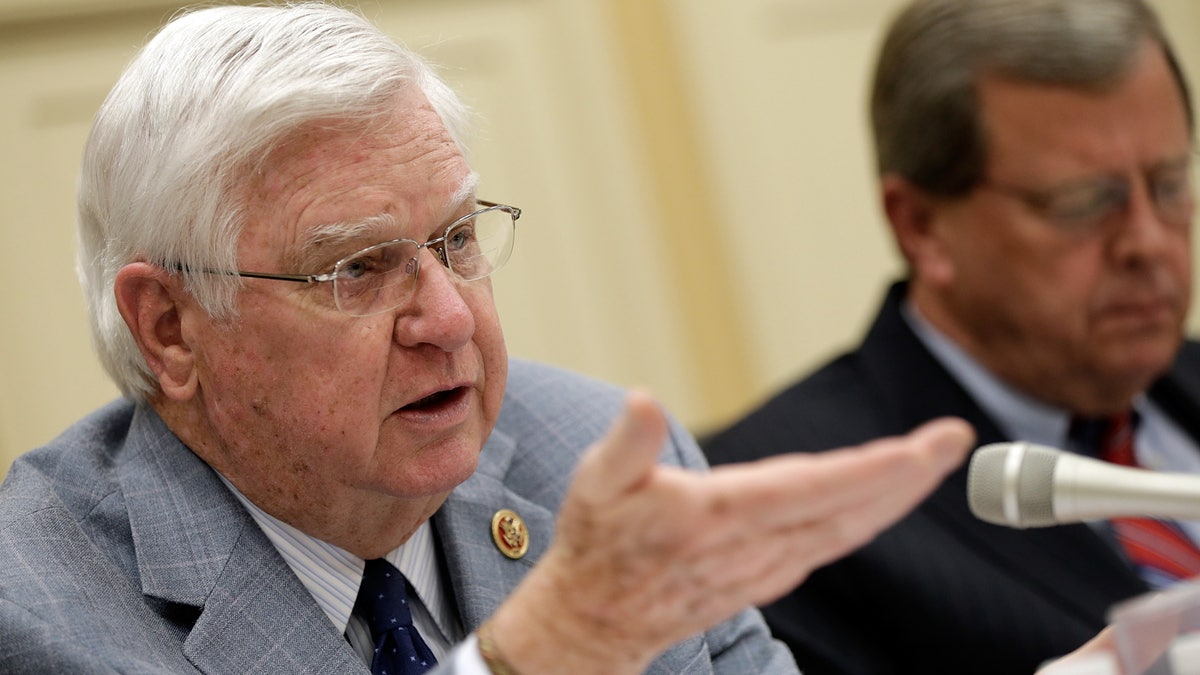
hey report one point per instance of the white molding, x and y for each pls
(32, 11)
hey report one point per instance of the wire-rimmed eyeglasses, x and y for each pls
(1085, 206)
(382, 277)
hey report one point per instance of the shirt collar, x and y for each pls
(1018, 415)
(332, 575)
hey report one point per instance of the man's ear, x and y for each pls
(148, 299)
(914, 216)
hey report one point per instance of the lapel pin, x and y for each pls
(510, 534)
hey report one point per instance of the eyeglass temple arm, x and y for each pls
(302, 278)
(514, 210)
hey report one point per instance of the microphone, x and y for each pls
(1026, 485)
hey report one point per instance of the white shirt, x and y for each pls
(333, 576)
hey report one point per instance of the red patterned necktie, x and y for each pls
(1159, 549)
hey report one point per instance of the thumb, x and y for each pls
(621, 459)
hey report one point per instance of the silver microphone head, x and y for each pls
(1013, 484)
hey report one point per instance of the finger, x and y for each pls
(948, 439)
(1096, 655)
(761, 563)
(621, 460)
(903, 475)
(772, 563)
(787, 490)
(830, 503)
(898, 475)
(846, 524)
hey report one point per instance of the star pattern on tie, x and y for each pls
(383, 604)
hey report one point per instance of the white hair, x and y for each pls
(199, 107)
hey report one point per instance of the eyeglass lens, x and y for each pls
(384, 276)
(1092, 203)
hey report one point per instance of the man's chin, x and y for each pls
(440, 468)
(1139, 363)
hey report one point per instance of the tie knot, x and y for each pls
(383, 598)
(1110, 437)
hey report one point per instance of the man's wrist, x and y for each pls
(489, 649)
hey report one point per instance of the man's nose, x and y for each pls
(437, 313)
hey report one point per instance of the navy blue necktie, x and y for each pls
(383, 603)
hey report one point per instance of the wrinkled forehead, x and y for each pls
(411, 137)
(402, 177)
(1139, 121)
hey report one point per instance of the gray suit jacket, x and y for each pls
(121, 551)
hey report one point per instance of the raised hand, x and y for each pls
(646, 555)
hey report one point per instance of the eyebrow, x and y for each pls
(317, 240)
(1178, 162)
(377, 228)
(1175, 163)
(466, 190)
(332, 234)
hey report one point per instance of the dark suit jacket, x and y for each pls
(941, 591)
(121, 551)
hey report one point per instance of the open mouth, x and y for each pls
(436, 400)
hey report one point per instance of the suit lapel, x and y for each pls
(484, 576)
(1046, 559)
(1178, 393)
(259, 618)
(530, 483)
(198, 549)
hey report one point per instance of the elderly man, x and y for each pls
(324, 460)
(1035, 164)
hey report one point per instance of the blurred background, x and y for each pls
(699, 205)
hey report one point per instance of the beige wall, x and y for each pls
(700, 216)
(782, 94)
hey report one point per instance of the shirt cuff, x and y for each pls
(466, 658)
